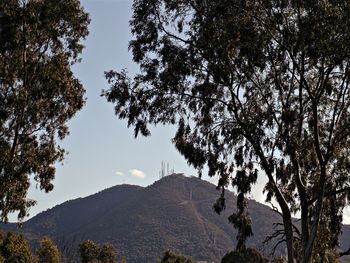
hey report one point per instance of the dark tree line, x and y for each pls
(14, 248)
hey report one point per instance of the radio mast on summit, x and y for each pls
(164, 171)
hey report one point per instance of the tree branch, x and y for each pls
(344, 253)
(332, 193)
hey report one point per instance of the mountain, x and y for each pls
(142, 222)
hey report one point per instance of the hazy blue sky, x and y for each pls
(102, 150)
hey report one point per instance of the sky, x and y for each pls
(102, 151)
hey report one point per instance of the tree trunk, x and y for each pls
(319, 206)
(288, 227)
(287, 218)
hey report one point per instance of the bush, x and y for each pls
(172, 257)
(15, 249)
(246, 255)
(48, 252)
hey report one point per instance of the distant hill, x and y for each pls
(142, 222)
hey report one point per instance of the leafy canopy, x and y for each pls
(175, 257)
(250, 85)
(14, 248)
(93, 253)
(48, 252)
(39, 42)
(244, 256)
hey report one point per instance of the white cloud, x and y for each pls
(346, 216)
(119, 173)
(137, 173)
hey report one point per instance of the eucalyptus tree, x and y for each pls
(172, 257)
(15, 248)
(250, 85)
(39, 42)
(48, 252)
(91, 252)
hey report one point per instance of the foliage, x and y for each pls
(323, 251)
(107, 254)
(248, 255)
(15, 249)
(39, 42)
(48, 252)
(278, 260)
(89, 251)
(175, 257)
(92, 253)
(250, 85)
(242, 222)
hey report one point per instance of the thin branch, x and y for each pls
(332, 193)
(340, 95)
(166, 31)
(344, 253)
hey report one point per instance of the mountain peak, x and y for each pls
(142, 222)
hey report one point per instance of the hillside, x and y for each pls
(173, 213)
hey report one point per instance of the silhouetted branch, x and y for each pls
(296, 230)
(344, 253)
(332, 193)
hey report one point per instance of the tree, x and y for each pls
(48, 252)
(107, 254)
(39, 41)
(89, 252)
(243, 256)
(172, 257)
(15, 249)
(250, 85)
(93, 253)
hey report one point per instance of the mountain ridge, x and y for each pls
(142, 222)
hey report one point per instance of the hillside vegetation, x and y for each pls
(173, 213)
